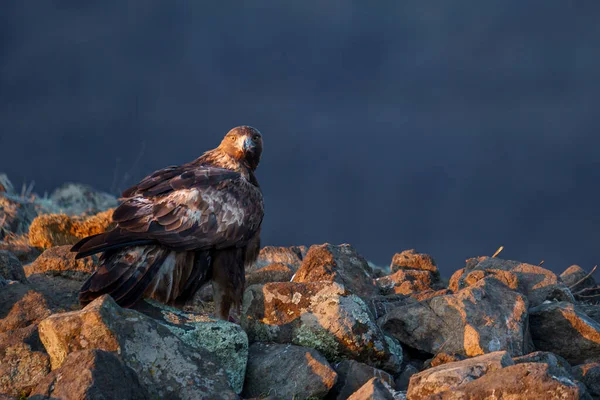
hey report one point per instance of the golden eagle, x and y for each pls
(183, 226)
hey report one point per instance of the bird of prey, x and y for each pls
(183, 226)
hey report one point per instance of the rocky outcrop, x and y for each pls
(285, 371)
(49, 230)
(90, 374)
(562, 328)
(482, 318)
(321, 315)
(411, 260)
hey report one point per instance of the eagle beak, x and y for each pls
(248, 144)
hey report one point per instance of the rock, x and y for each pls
(352, 375)
(276, 272)
(76, 199)
(21, 306)
(443, 358)
(49, 230)
(6, 185)
(11, 268)
(226, 342)
(575, 274)
(455, 284)
(591, 310)
(90, 374)
(285, 371)
(452, 375)
(589, 374)
(403, 379)
(16, 214)
(320, 315)
(558, 366)
(341, 264)
(166, 366)
(290, 256)
(562, 328)
(483, 318)
(375, 389)
(23, 363)
(410, 259)
(529, 381)
(60, 261)
(19, 246)
(405, 282)
(535, 282)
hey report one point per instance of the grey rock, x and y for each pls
(90, 375)
(558, 366)
(589, 374)
(11, 268)
(563, 329)
(285, 371)
(77, 199)
(352, 375)
(376, 389)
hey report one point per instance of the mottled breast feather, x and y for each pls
(193, 207)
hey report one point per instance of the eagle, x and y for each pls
(184, 226)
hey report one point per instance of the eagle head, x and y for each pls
(244, 143)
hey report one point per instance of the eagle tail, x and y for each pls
(108, 241)
(131, 273)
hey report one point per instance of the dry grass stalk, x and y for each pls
(498, 251)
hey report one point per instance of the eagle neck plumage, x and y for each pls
(220, 159)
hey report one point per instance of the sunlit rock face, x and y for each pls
(321, 315)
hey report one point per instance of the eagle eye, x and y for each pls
(256, 138)
(231, 137)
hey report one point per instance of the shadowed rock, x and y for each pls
(589, 374)
(375, 389)
(562, 328)
(482, 318)
(352, 375)
(60, 261)
(11, 268)
(285, 371)
(90, 375)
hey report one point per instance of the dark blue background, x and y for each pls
(452, 127)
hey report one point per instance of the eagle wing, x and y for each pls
(190, 207)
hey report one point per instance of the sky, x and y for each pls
(448, 127)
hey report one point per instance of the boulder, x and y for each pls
(19, 246)
(455, 374)
(410, 259)
(482, 318)
(537, 283)
(352, 375)
(226, 342)
(591, 310)
(402, 381)
(406, 281)
(11, 268)
(21, 306)
(320, 315)
(166, 366)
(589, 374)
(528, 381)
(375, 389)
(60, 261)
(443, 358)
(90, 375)
(289, 256)
(558, 366)
(341, 264)
(276, 272)
(562, 328)
(49, 230)
(285, 371)
(76, 199)
(576, 277)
